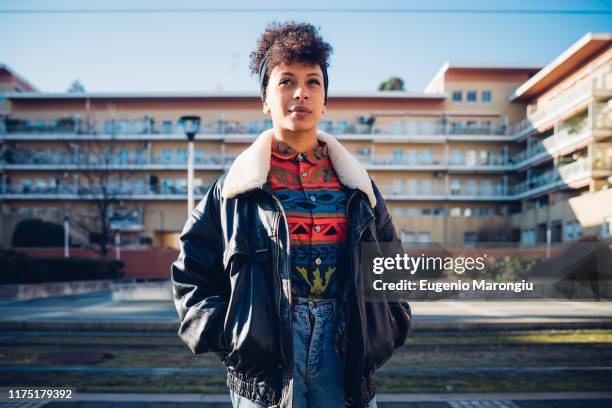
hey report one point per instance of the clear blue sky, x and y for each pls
(150, 52)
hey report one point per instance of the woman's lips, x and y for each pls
(300, 111)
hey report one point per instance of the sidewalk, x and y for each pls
(98, 311)
(525, 400)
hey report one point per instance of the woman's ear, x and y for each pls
(265, 108)
(323, 109)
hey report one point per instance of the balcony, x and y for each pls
(572, 133)
(424, 159)
(124, 159)
(414, 128)
(120, 159)
(575, 135)
(415, 190)
(566, 174)
(598, 88)
(129, 190)
(147, 128)
(127, 220)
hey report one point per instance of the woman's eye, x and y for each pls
(284, 81)
(314, 81)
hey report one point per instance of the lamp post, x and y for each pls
(66, 234)
(191, 126)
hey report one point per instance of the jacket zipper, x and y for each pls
(353, 247)
(279, 284)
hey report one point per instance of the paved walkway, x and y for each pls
(99, 311)
(527, 400)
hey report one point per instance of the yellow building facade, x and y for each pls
(517, 154)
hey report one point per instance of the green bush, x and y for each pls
(38, 233)
(17, 267)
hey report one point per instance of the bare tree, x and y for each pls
(106, 181)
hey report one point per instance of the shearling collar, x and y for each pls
(250, 169)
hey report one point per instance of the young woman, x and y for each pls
(268, 276)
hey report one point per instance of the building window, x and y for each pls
(484, 211)
(181, 155)
(123, 156)
(398, 211)
(166, 126)
(424, 237)
(26, 185)
(471, 96)
(427, 156)
(528, 237)
(413, 212)
(455, 186)
(167, 156)
(407, 236)
(124, 126)
(398, 156)
(485, 96)
(457, 157)
(109, 126)
(606, 232)
(457, 96)
(469, 238)
(167, 185)
(181, 185)
(25, 212)
(568, 231)
(577, 230)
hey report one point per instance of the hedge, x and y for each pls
(17, 267)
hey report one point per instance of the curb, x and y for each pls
(465, 325)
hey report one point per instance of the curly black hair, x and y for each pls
(290, 42)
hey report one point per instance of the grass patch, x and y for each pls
(513, 337)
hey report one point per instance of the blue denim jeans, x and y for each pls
(317, 368)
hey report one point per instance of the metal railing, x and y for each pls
(77, 126)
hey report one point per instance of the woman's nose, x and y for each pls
(300, 93)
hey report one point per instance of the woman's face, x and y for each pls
(295, 96)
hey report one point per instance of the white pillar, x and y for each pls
(118, 245)
(66, 238)
(190, 180)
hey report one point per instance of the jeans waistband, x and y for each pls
(325, 306)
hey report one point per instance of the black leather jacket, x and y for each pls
(231, 288)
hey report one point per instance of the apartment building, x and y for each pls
(491, 153)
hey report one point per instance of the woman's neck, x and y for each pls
(300, 141)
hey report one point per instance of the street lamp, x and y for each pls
(191, 126)
(66, 234)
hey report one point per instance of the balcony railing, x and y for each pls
(564, 174)
(552, 144)
(144, 126)
(565, 98)
(439, 191)
(101, 161)
(131, 158)
(86, 192)
(421, 159)
(420, 128)
(568, 97)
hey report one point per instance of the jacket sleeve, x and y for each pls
(199, 288)
(386, 232)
